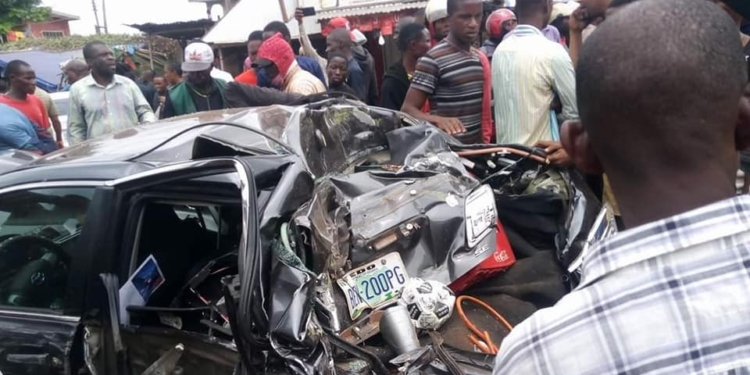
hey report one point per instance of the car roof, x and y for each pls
(144, 147)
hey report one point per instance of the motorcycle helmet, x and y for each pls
(436, 10)
(496, 21)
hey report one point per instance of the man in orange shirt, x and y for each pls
(249, 77)
(20, 96)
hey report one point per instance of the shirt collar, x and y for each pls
(706, 224)
(90, 81)
(525, 30)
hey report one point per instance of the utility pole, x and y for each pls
(104, 15)
(96, 17)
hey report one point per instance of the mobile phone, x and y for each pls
(308, 11)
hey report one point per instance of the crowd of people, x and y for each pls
(650, 92)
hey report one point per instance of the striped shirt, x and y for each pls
(527, 71)
(668, 297)
(453, 80)
(96, 110)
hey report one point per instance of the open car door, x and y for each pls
(195, 193)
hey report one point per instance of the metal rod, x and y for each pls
(104, 15)
(96, 18)
(150, 51)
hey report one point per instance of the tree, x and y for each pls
(16, 12)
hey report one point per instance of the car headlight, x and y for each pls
(481, 214)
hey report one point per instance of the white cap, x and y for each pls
(198, 57)
(436, 10)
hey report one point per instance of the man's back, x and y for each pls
(303, 82)
(527, 71)
(670, 297)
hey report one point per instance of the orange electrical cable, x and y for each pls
(481, 339)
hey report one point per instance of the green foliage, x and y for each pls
(74, 42)
(16, 12)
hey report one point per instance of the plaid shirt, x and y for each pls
(669, 297)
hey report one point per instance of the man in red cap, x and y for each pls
(276, 57)
(498, 25)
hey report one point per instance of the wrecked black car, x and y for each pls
(267, 240)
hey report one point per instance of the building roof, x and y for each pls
(247, 17)
(176, 30)
(361, 10)
(64, 16)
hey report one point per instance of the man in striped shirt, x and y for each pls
(451, 76)
(527, 71)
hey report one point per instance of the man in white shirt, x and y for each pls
(527, 71)
(659, 114)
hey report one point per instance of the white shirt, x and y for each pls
(527, 71)
(220, 74)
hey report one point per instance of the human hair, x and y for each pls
(336, 54)
(278, 27)
(408, 33)
(656, 95)
(529, 7)
(343, 37)
(256, 35)
(451, 6)
(175, 67)
(89, 49)
(14, 66)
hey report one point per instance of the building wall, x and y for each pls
(37, 29)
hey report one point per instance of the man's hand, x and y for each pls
(450, 125)
(162, 99)
(60, 145)
(577, 21)
(299, 15)
(555, 153)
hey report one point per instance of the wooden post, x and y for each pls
(151, 52)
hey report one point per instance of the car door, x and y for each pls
(138, 183)
(42, 274)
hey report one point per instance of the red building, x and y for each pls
(56, 25)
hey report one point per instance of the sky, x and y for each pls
(121, 12)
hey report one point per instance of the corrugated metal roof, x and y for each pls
(370, 9)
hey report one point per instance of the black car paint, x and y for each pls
(285, 183)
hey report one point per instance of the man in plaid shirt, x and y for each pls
(658, 87)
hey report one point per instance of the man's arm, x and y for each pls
(77, 129)
(142, 106)
(54, 116)
(304, 40)
(564, 84)
(576, 24)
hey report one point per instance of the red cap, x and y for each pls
(337, 23)
(496, 20)
(275, 50)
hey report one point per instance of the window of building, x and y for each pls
(53, 34)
